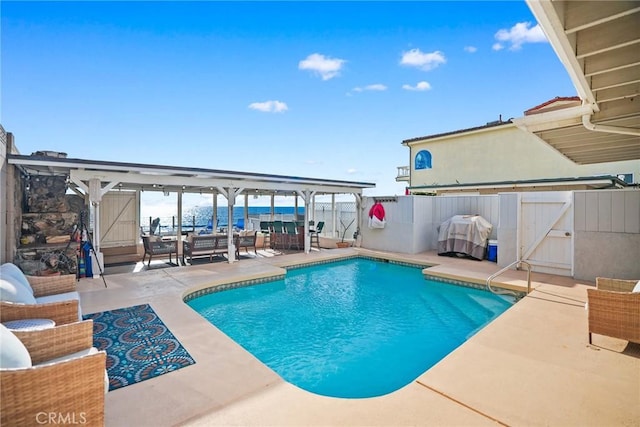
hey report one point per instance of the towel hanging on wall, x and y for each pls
(376, 216)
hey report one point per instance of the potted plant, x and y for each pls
(342, 243)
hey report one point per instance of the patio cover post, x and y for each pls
(358, 215)
(179, 231)
(273, 206)
(230, 193)
(95, 197)
(333, 215)
(306, 197)
(246, 210)
(214, 218)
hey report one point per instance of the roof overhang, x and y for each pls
(598, 42)
(136, 176)
(594, 182)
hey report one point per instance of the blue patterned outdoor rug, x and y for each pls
(138, 345)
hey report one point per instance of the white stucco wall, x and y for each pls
(502, 153)
(606, 226)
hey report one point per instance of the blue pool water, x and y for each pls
(354, 328)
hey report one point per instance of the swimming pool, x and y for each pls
(353, 328)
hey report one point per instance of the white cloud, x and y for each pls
(269, 106)
(421, 60)
(420, 86)
(518, 35)
(351, 171)
(326, 67)
(378, 87)
(470, 49)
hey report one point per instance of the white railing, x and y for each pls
(403, 173)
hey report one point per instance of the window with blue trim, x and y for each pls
(423, 160)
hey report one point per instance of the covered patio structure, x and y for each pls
(93, 179)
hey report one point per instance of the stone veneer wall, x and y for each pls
(49, 219)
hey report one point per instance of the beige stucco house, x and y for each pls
(502, 156)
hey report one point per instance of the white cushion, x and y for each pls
(13, 291)
(636, 288)
(81, 353)
(61, 297)
(13, 354)
(12, 270)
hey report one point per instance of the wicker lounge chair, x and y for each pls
(614, 310)
(48, 297)
(65, 376)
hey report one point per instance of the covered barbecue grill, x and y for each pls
(464, 235)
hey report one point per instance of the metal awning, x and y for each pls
(598, 42)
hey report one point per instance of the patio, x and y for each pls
(531, 366)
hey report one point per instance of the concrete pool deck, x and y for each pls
(531, 366)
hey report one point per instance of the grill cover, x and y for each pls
(464, 235)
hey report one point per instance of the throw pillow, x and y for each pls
(8, 269)
(13, 291)
(13, 354)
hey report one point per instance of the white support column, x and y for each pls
(179, 232)
(95, 197)
(214, 219)
(333, 216)
(246, 211)
(273, 206)
(307, 196)
(358, 218)
(230, 193)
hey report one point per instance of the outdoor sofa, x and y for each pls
(204, 245)
(216, 245)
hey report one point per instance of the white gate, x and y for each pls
(119, 219)
(546, 231)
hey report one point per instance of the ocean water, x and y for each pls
(202, 215)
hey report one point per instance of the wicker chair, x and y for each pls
(70, 389)
(614, 310)
(61, 312)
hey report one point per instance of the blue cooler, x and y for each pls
(492, 251)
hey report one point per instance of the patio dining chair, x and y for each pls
(315, 234)
(292, 234)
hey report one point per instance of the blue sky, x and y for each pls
(312, 89)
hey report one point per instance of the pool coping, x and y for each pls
(223, 285)
(227, 386)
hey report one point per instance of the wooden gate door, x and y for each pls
(546, 231)
(119, 219)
